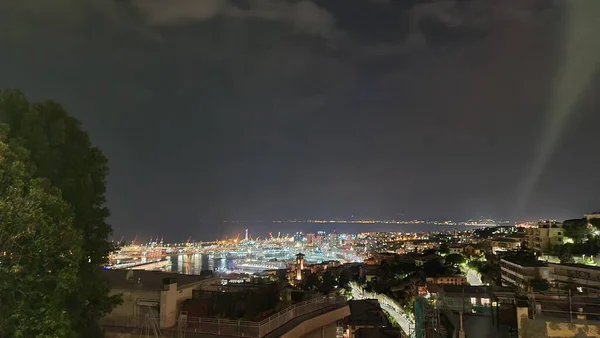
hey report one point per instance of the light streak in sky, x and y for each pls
(580, 61)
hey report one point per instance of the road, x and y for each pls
(402, 320)
(473, 277)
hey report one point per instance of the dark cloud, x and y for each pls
(303, 17)
(212, 110)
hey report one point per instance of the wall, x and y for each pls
(130, 297)
(182, 295)
(168, 306)
(554, 327)
(322, 332)
(314, 324)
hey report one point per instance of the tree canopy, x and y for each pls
(576, 229)
(565, 254)
(434, 267)
(328, 282)
(311, 282)
(40, 251)
(539, 284)
(61, 152)
(455, 259)
(444, 249)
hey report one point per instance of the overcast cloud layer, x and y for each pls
(267, 109)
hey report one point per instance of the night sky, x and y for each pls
(213, 110)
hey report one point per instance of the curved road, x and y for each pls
(473, 277)
(402, 320)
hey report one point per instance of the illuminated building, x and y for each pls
(547, 235)
(299, 265)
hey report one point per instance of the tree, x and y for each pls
(345, 278)
(576, 229)
(539, 284)
(565, 255)
(455, 259)
(62, 153)
(444, 249)
(328, 282)
(595, 222)
(311, 282)
(433, 267)
(490, 273)
(40, 251)
(282, 276)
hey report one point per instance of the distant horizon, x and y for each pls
(329, 227)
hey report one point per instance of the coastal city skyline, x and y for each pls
(291, 228)
(299, 168)
(264, 228)
(433, 109)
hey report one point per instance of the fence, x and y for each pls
(563, 306)
(238, 328)
(297, 310)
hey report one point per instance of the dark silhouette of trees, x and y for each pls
(539, 284)
(565, 255)
(311, 282)
(434, 267)
(576, 229)
(455, 260)
(40, 250)
(328, 283)
(61, 152)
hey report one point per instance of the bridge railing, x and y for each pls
(223, 327)
(297, 310)
(226, 327)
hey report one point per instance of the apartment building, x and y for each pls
(583, 277)
(545, 236)
(517, 271)
(592, 215)
(505, 244)
(447, 280)
(455, 249)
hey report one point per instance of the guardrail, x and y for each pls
(297, 310)
(237, 328)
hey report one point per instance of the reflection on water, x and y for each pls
(194, 264)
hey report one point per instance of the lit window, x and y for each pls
(473, 301)
(485, 301)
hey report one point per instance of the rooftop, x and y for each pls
(448, 276)
(145, 280)
(467, 290)
(578, 266)
(366, 312)
(505, 240)
(524, 260)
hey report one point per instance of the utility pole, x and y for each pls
(461, 330)
(570, 308)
